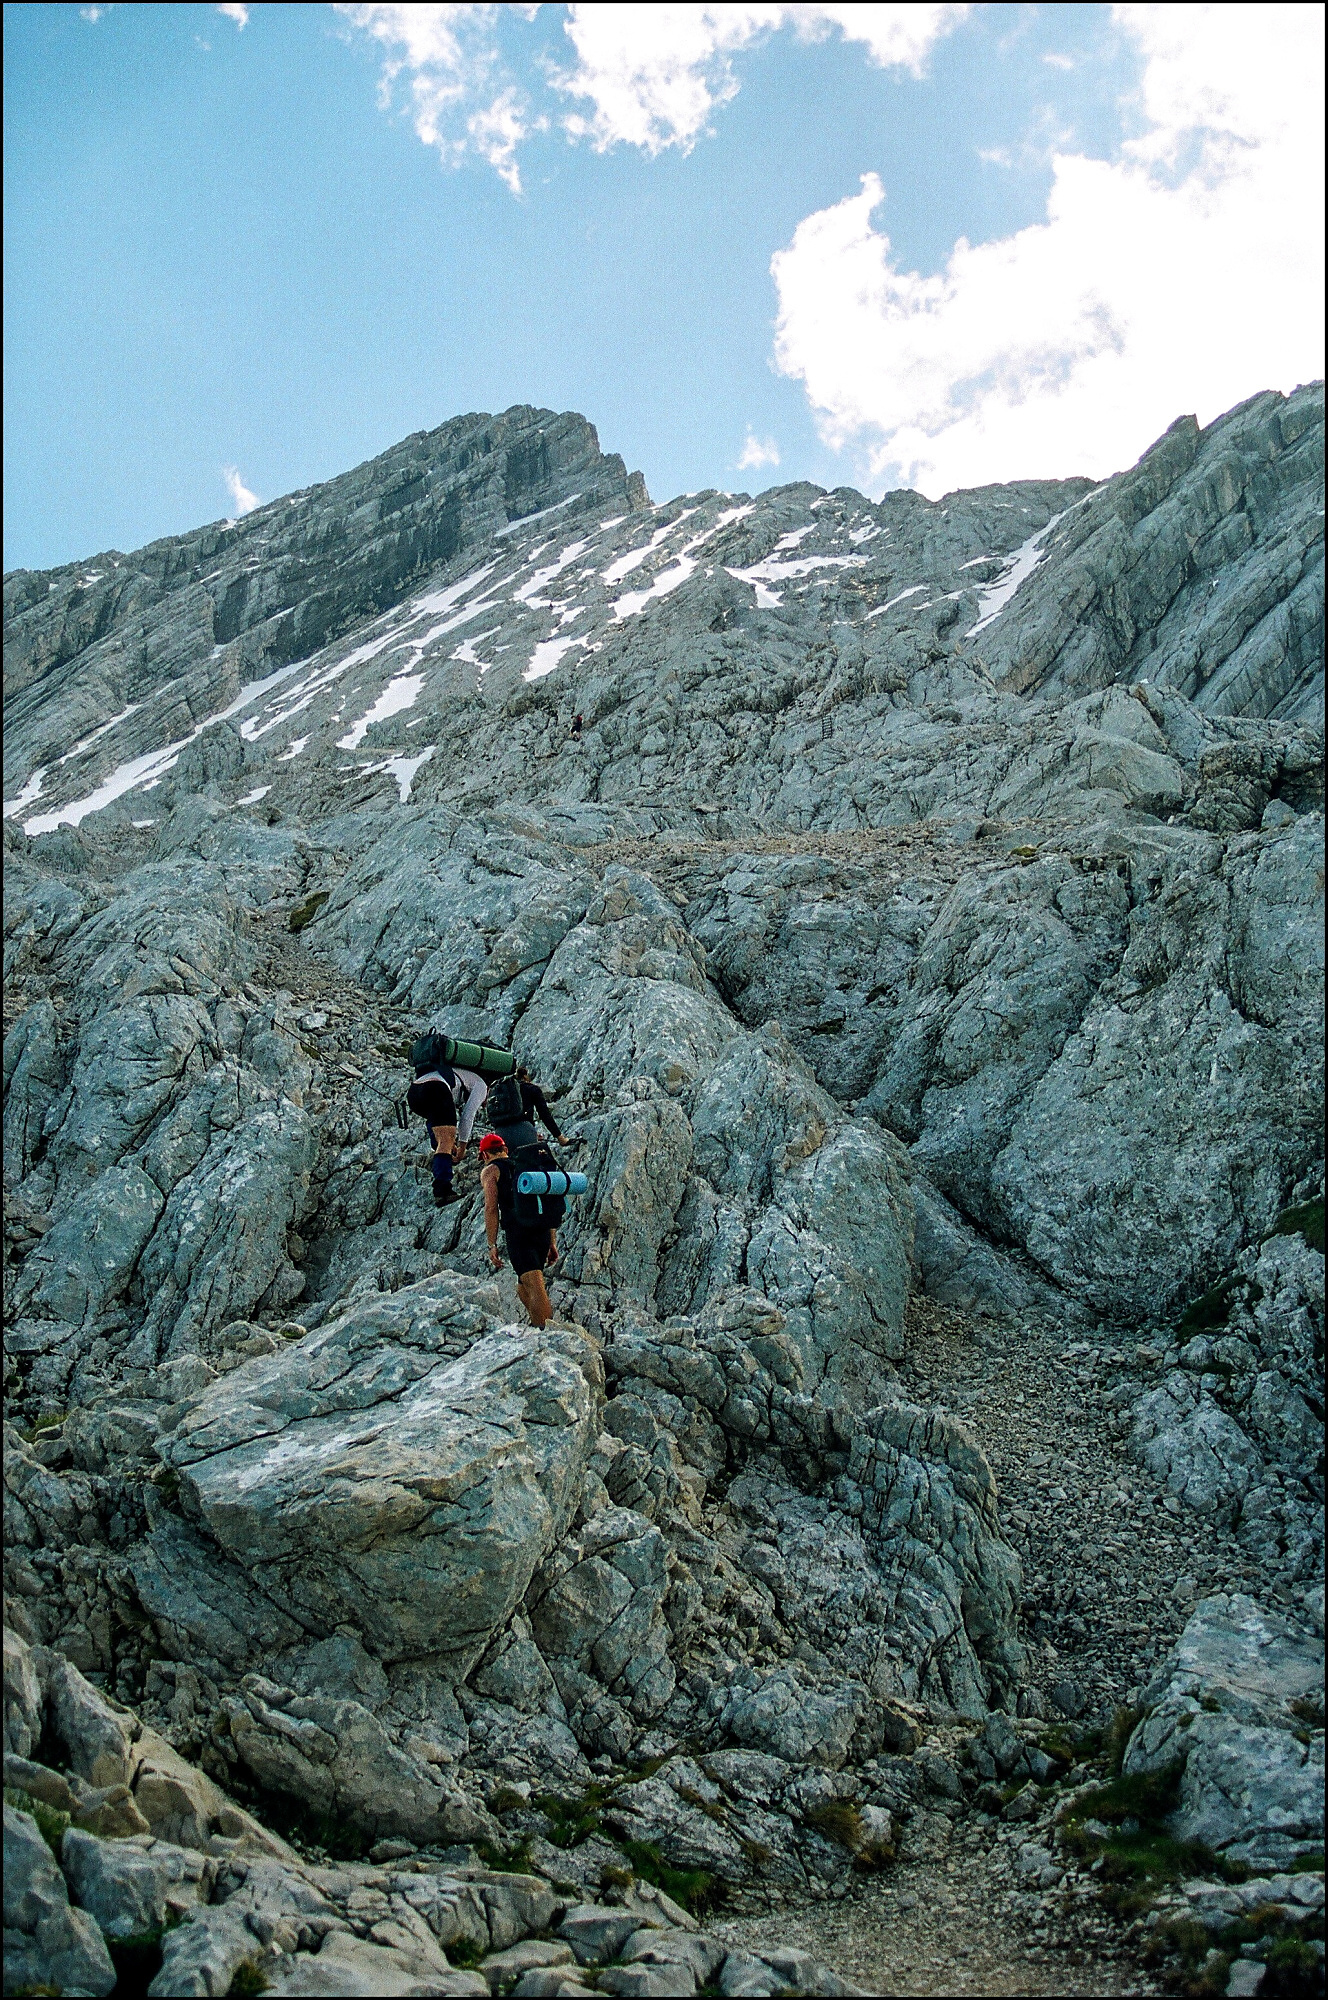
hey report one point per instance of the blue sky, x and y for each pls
(238, 244)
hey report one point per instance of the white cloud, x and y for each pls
(653, 75)
(236, 11)
(1182, 276)
(649, 76)
(93, 14)
(460, 100)
(242, 499)
(1058, 62)
(757, 452)
(496, 130)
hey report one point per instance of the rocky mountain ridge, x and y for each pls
(897, 898)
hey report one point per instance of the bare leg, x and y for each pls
(440, 1165)
(533, 1296)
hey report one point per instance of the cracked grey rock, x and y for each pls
(1231, 1706)
(132, 1886)
(46, 1941)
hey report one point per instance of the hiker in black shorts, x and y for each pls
(433, 1097)
(529, 1251)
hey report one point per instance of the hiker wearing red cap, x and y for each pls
(529, 1250)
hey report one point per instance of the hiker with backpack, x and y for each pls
(532, 1245)
(434, 1097)
(536, 1105)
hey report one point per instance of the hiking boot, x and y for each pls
(444, 1197)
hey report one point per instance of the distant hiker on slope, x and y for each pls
(536, 1105)
(529, 1249)
(433, 1097)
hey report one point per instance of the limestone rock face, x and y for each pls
(228, 1903)
(1231, 1705)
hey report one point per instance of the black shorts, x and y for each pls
(433, 1102)
(527, 1249)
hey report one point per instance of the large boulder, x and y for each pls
(928, 1501)
(369, 1477)
(1190, 1443)
(131, 1887)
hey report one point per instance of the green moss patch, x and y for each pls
(305, 912)
(1305, 1219)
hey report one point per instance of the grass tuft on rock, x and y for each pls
(1292, 1961)
(307, 1826)
(1094, 1745)
(572, 1821)
(839, 1820)
(1213, 1310)
(1139, 1855)
(249, 1977)
(50, 1420)
(692, 1887)
(506, 1860)
(465, 1953)
(1296, 1958)
(137, 1960)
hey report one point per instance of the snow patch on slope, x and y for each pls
(400, 693)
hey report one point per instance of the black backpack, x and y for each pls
(506, 1105)
(430, 1051)
(535, 1211)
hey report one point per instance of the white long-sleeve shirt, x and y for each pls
(476, 1092)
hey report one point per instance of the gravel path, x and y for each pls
(933, 1929)
(1110, 1571)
